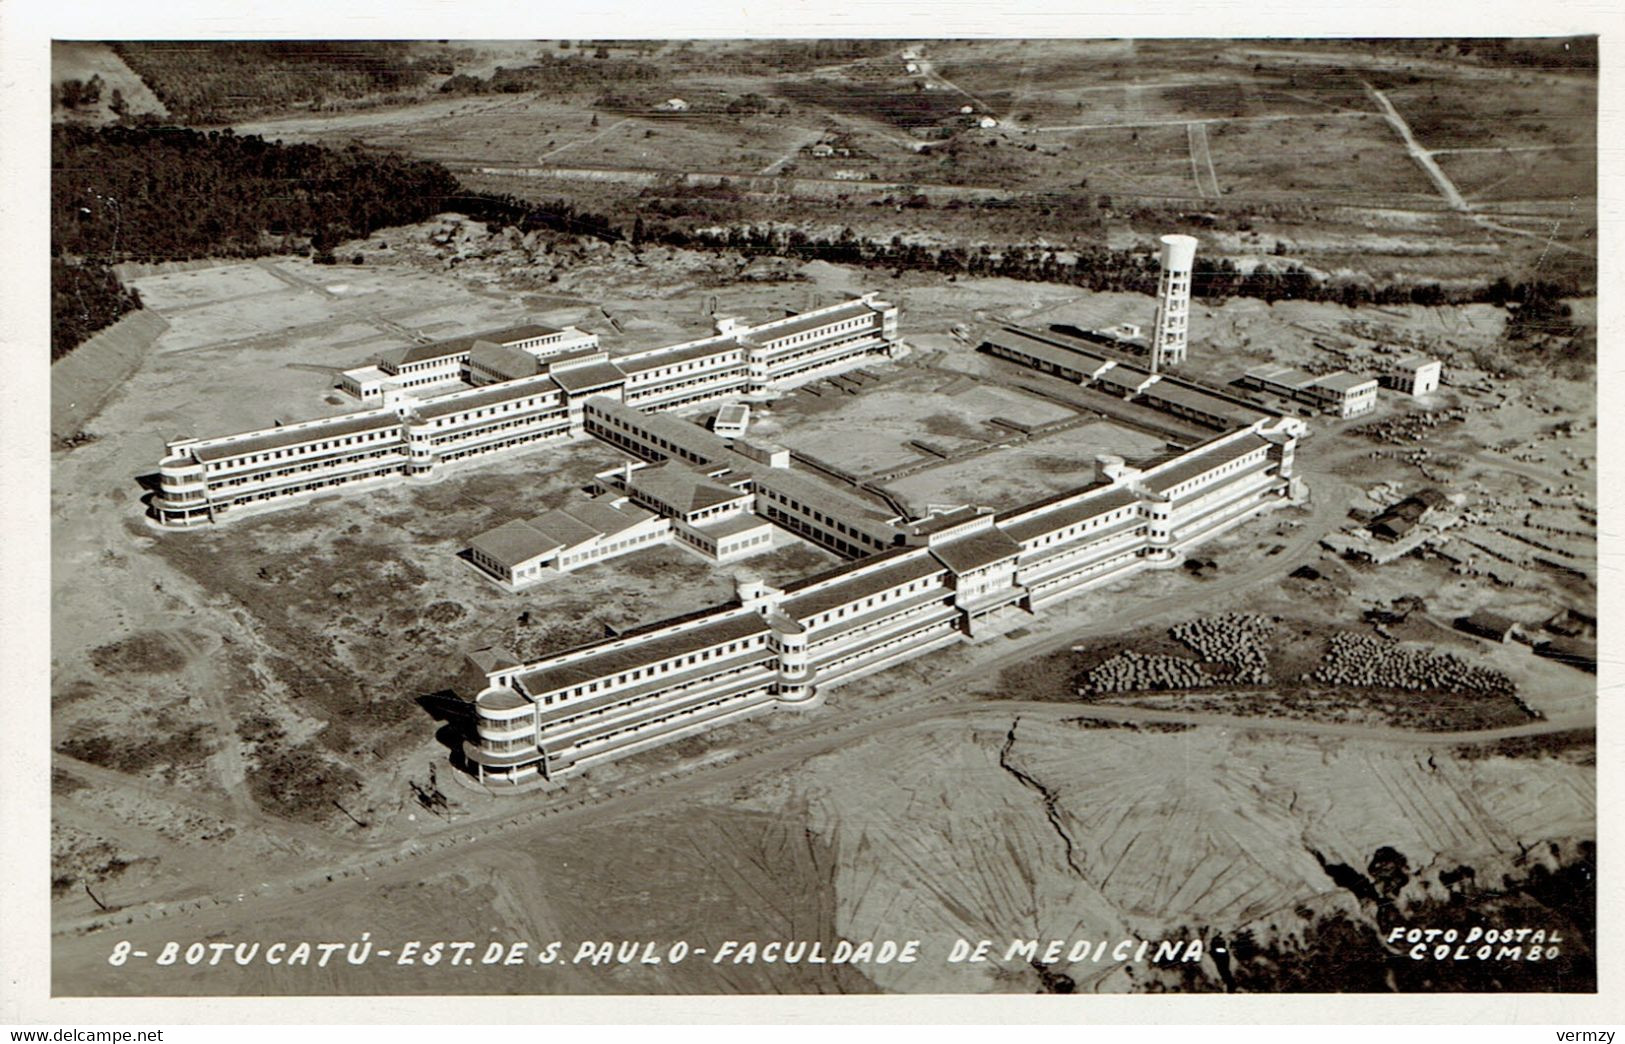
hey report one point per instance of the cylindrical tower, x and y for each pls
(1168, 339)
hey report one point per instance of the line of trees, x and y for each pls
(214, 81)
(128, 193)
(1099, 268)
(84, 299)
(167, 194)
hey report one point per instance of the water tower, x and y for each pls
(1169, 337)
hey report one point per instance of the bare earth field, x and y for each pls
(934, 832)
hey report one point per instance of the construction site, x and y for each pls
(1385, 644)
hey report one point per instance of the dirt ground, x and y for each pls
(934, 832)
(266, 672)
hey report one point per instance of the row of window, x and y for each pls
(820, 332)
(558, 418)
(656, 670)
(814, 533)
(825, 642)
(828, 521)
(574, 721)
(724, 377)
(1075, 575)
(724, 358)
(781, 365)
(1206, 477)
(371, 437)
(570, 561)
(1071, 532)
(872, 652)
(604, 738)
(306, 487)
(255, 477)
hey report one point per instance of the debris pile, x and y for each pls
(1237, 640)
(1365, 661)
(1139, 672)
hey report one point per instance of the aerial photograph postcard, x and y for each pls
(823, 516)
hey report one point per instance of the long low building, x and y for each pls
(1058, 355)
(944, 579)
(1340, 393)
(205, 480)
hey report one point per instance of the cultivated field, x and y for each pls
(1097, 142)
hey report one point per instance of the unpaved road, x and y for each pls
(1447, 188)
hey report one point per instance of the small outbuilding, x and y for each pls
(1483, 623)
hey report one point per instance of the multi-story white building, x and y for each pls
(1340, 393)
(414, 368)
(946, 579)
(1415, 375)
(201, 479)
(1344, 394)
(414, 436)
(528, 551)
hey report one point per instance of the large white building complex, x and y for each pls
(913, 586)
(513, 388)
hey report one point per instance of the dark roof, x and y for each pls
(492, 658)
(1052, 354)
(906, 566)
(976, 551)
(1489, 622)
(1432, 498)
(516, 542)
(563, 529)
(1184, 395)
(510, 363)
(457, 402)
(415, 353)
(502, 699)
(642, 653)
(807, 321)
(809, 490)
(281, 438)
(585, 702)
(1203, 461)
(1020, 339)
(588, 377)
(680, 489)
(691, 437)
(605, 517)
(1050, 521)
(1572, 651)
(732, 525)
(1126, 377)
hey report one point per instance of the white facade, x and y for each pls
(785, 647)
(1171, 333)
(1415, 375)
(421, 434)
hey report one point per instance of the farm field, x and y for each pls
(1096, 141)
